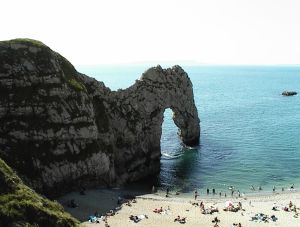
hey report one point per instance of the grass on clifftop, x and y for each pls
(44, 56)
(21, 206)
(27, 41)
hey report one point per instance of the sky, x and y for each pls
(95, 32)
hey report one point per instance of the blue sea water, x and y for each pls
(250, 134)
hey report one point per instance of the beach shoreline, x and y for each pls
(104, 200)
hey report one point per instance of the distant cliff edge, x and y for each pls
(60, 129)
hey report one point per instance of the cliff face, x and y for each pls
(60, 128)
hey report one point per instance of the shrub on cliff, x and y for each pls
(21, 206)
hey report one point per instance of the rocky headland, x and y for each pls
(60, 129)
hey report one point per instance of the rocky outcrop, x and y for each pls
(60, 128)
(289, 93)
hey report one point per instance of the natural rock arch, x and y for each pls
(157, 90)
(171, 88)
(60, 128)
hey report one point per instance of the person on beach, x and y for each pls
(207, 191)
(167, 193)
(294, 208)
(214, 191)
(240, 205)
(158, 210)
(290, 205)
(274, 188)
(106, 224)
(153, 189)
(110, 213)
(177, 219)
(180, 220)
(259, 188)
(119, 201)
(201, 205)
(128, 203)
(292, 187)
(220, 194)
(196, 195)
(225, 194)
(96, 214)
(216, 220)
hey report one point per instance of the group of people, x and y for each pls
(236, 225)
(232, 208)
(158, 210)
(292, 208)
(179, 219)
(292, 187)
(216, 221)
(137, 218)
(231, 188)
(209, 210)
(97, 218)
(207, 192)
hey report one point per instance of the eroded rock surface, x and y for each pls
(60, 128)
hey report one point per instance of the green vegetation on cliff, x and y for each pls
(26, 41)
(21, 206)
(76, 85)
(70, 74)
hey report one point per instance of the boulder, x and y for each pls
(289, 93)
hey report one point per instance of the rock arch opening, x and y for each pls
(169, 141)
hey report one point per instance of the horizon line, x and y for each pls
(181, 63)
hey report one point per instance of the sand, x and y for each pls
(104, 200)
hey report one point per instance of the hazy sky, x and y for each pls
(137, 31)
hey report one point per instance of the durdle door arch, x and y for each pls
(157, 90)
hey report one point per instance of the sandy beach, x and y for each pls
(184, 206)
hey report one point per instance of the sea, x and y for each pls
(250, 133)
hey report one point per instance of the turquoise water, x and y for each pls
(249, 132)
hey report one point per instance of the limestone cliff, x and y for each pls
(60, 128)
